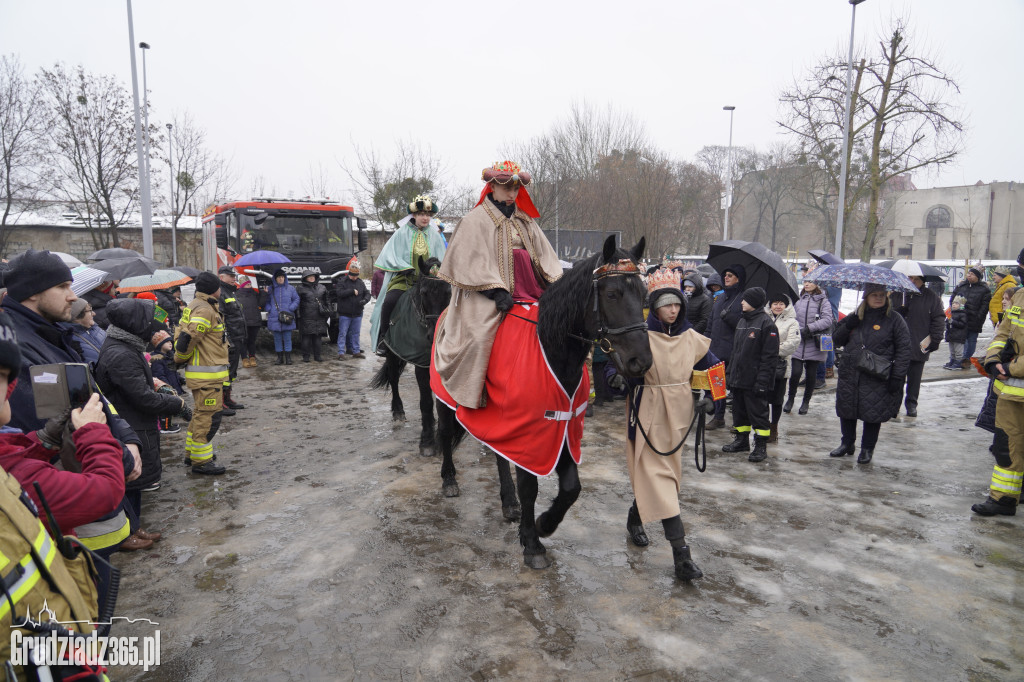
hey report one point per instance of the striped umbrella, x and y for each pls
(161, 279)
(84, 279)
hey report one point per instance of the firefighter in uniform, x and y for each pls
(1003, 361)
(200, 343)
(234, 325)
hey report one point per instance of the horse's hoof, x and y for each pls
(536, 561)
(427, 451)
(512, 512)
(542, 526)
(398, 416)
(451, 489)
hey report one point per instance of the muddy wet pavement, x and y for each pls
(328, 552)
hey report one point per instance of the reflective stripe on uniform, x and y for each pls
(28, 571)
(762, 432)
(206, 371)
(1006, 481)
(104, 534)
(1010, 386)
(742, 429)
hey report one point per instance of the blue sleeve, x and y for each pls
(707, 362)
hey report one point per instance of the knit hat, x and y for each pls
(688, 283)
(1001, 270)
(977, 270)
(78, 307)
(353, 269)
(10, 353)
(207, 283)
(147, 295)
(739, 271)
(1020, 257)
(779, 296)
(33, 272)
(755, 297)
(958, 303)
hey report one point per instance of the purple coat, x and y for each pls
(281, 297)
(813, 312)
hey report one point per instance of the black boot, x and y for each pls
(788, 407)
(635, 527)
(760, 452)
(685, 568)
(287, 357)
(803, 407)
(208, 468)
(865, 455)
(280, 359)
(305, 358)
(229, 403)
(1004, 506)
(741, 443)
(843, 449)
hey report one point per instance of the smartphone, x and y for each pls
(55, 388)
(79, 384)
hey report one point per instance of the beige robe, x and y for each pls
(665, 412)
(479, 257)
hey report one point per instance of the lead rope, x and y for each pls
(699, 442)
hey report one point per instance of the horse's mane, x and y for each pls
(565, 301)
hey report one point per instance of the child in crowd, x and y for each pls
(956, 333)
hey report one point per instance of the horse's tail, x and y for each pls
(389, 372)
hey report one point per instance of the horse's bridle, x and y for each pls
(624, 268)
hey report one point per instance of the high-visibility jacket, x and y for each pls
(200, 341)
(1010, 331)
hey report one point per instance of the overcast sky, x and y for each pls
(280, 86)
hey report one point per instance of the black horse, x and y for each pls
(589, 304)
(414, 318)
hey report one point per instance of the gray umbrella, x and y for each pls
(117, 252)
(120, 268)
(913, 268)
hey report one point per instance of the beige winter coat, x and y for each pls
(789, 334)
(666, 409)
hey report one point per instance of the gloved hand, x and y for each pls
(502, 299)
(706, 404)
(895, 384)
(166, 390)
(186, 411)
(851, 321)
(52, 434)
(805, 333)
(617, 381)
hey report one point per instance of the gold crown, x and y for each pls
(663, 279)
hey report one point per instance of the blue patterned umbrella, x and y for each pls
(858, 276)
(262, 257)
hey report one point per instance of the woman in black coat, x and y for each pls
(252, 301)
(699, 303)
(126, 380)
(877, 328)
(313, 314)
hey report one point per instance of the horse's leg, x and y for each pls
(510, 508)
(447, 428)
(568, 490)
(395, 366)
(533, 550)
(426, 412)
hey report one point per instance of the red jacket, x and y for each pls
(74, 498)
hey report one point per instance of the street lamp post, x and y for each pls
(728, 176)
(558, 174)
(843, 163)
(147, 208)
(174, 196)
(145, 108)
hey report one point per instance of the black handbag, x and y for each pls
(283, 316)
(873, 364)
(780, 369)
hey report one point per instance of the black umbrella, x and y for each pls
(121, 268)
(764, 267)
(107, 254)
(825, 257)
(191, 272)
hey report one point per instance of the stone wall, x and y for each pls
(78, 242)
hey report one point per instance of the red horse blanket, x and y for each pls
(528, 416)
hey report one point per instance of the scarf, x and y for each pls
(126, 337)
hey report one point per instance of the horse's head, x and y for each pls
(616, 318)
(434, 293)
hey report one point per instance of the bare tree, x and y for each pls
(901, 121)
(221, 187)
(771, 177)
(384, 187)
(318, 182)
(91, 133)
(194, 169)
(20, 142)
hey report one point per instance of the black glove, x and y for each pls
(186, 411)
(805, 333)
(52, 434)
(895, 384)
(706, 404)
(851, 321)
(502, 299)
(617, 381)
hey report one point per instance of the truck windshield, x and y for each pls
(299, 234)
